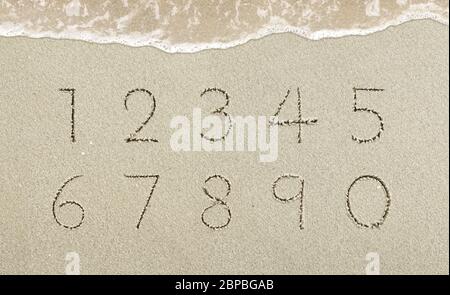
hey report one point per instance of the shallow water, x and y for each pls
(189, 26)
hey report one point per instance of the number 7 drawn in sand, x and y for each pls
(156, 177)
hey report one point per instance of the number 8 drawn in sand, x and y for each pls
(217, 202)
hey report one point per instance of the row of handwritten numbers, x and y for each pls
(299, 120)
(221, 202)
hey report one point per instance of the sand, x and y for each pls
(37, 155)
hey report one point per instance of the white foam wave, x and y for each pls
(155, 39)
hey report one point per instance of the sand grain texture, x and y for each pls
(410, 62)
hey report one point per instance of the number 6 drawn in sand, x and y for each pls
(66, 203)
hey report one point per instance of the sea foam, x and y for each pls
(191, 26)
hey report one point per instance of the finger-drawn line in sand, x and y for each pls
(298, 195)
(219, 110)
(217, 202)
(54, 207)
(375, 224)
(156, 177)
(72, 116)
(370, 111)
(299, 121)
(132, 137)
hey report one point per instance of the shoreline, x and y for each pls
(153, 31)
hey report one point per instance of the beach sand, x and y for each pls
(37, 155)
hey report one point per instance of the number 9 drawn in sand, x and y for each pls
(217, 202)
(55, 206)
(298, 195)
